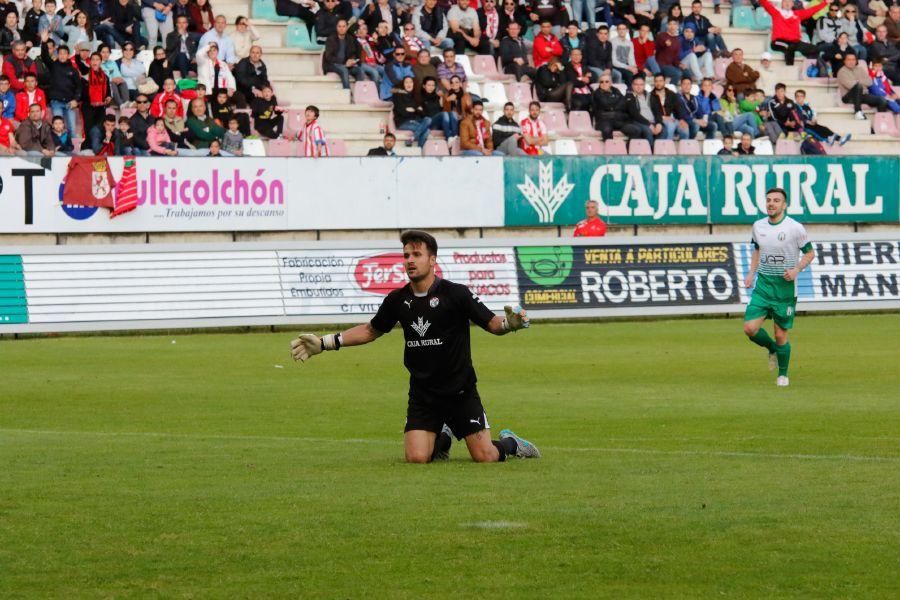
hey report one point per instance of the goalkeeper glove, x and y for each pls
(516, 319)
(308, 345)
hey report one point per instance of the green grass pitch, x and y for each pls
(673, 467)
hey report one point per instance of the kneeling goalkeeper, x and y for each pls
(435, 315)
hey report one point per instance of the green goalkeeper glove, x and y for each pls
(308, 345)
(516, 319)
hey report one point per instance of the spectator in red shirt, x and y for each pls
(546, 45)
(645, 52)
(8, 144)
(32, 94)
(786, 28)
(16, 65)
(158, 107)
(592, 225)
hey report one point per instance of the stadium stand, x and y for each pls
(355, 117)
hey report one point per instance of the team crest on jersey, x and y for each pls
(433, 303)
(421, 326)
(781, 236)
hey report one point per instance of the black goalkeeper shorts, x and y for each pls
(462, 412)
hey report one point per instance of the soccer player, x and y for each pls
(778, 241)
(435, 315)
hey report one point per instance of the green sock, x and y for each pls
(762, 338)
(784, 358)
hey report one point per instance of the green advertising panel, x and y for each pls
(13, 303)
(701, 189)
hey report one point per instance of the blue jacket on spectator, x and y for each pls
(394, 73)
(687, 46)
(691, 107)
(8, 100)
(708, 105)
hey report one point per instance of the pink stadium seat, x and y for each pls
(664, 148)
(590, 147)
(484, 64)
(519, 94)
(336, 147)
(295, 119)
(719, 66)
(281, 147)
(436, 148)
(615, 146)
(639, 147)
(127, 112)
(553, 107)
(580, 123)
(885, 124)
(718, 90)
(365, 92)
(556, 123)
(76, 143)
(787, 148)
(689, 148)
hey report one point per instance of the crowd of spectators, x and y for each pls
(644, 68)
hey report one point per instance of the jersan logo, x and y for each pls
(545, 197)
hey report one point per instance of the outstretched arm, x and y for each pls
(308, 345)
(515, 320)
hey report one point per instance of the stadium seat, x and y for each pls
(639, 147)
(335, 147)
(253, 147)
(590, 147)
(885, 124)
(621, 87)
(493, 93)
(466, 64)
(719, 66)
(742, 17)
(265, 9)
(664, 148)
(486, 66)
(436, 148)
(761, 20)
(614, 147)
(763, 147)
(712, 147)
(281, 147)
(519, 93)
(297, 36)
(565, 148)
(787, 148)
(580, 123)
(365, 92)
(34, 53)
(718, 90)
(689, 148)
(556, 123)
(127, 111)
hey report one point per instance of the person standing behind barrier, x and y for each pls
(592, 225)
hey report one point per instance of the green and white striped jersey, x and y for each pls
(780, 245)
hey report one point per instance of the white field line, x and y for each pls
(563, 449)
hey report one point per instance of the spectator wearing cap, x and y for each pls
(767, 75)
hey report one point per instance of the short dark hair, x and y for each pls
(572, 22)
(390, 135)
(417, 236)
(508, 104)
(314, 109)
(686, 77)
(32, 75)
(57, 118)
(534, 103)
(123, 120)
(603, 28)
(780, 86)
(801, 91)
(109, 119)
(477, 103)
(777, 190)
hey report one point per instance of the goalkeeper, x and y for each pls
(443, 398)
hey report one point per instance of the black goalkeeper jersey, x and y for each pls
(438, 355)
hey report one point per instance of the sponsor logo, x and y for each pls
(781, 236)
(421, 326)
(408, 303)
(545, 197)
(383, 273)
(546, 265)
(433, 303)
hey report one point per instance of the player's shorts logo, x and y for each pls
(789, 311)
(433, 303)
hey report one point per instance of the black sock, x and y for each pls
(509, 445)
(441, 444)
(501, 450)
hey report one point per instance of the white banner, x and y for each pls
(272, 194)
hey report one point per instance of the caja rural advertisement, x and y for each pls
(626, 275)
